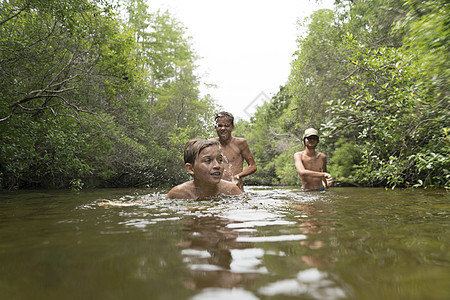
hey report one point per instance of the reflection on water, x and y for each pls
(227, 245)
(270, 243)
(212, 254)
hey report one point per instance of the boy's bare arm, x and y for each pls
(327, 180)
(248, 157)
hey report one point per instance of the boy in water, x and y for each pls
(204, 162)
(235, 150)
(312, 165)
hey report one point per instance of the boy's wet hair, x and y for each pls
(193, 148)
(226, 115)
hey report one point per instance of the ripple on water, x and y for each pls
(224, 294)
(275, 238)
(247, 260)
(311, 282)
(236, 225)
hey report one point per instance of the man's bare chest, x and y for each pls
(312, 163)
(232, 153)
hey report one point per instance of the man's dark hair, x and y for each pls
(226, 115)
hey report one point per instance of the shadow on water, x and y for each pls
(271, 243)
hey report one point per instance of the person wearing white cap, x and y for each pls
(312, 165)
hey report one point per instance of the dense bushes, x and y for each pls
(373, 78)
(87, 99)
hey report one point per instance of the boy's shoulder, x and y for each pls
(239, 139)
(181, 191)
(299, 153)
(229, 188)
(317, 155)
(321, 154)
(240, 142)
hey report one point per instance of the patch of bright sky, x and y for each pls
(245, 46)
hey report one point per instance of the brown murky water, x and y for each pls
(271, 243)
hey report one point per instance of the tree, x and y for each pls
(63, 65)
(49, 54)
(399, 146)
(176, 110)
(378, 95)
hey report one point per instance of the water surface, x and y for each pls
(271, 243)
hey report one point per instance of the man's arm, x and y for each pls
(248, 157)
(327, 180)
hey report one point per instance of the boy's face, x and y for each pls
(311, 141)
(224, 128)
(208, 166)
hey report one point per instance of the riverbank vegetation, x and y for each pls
(373, 77)
(88, 99)
(98, 93)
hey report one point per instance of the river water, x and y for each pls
(270, 243)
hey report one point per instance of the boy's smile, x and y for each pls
(224, 128)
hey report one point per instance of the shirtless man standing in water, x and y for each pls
(312, 165)
(235, 151)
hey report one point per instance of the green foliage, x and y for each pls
(372, 76)
(50, 149)
(314, 76)
(267, 140)
(432, 168)
(428, 40)
(285, 168)
(87, 100)
(344, 162)
(386, 109)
